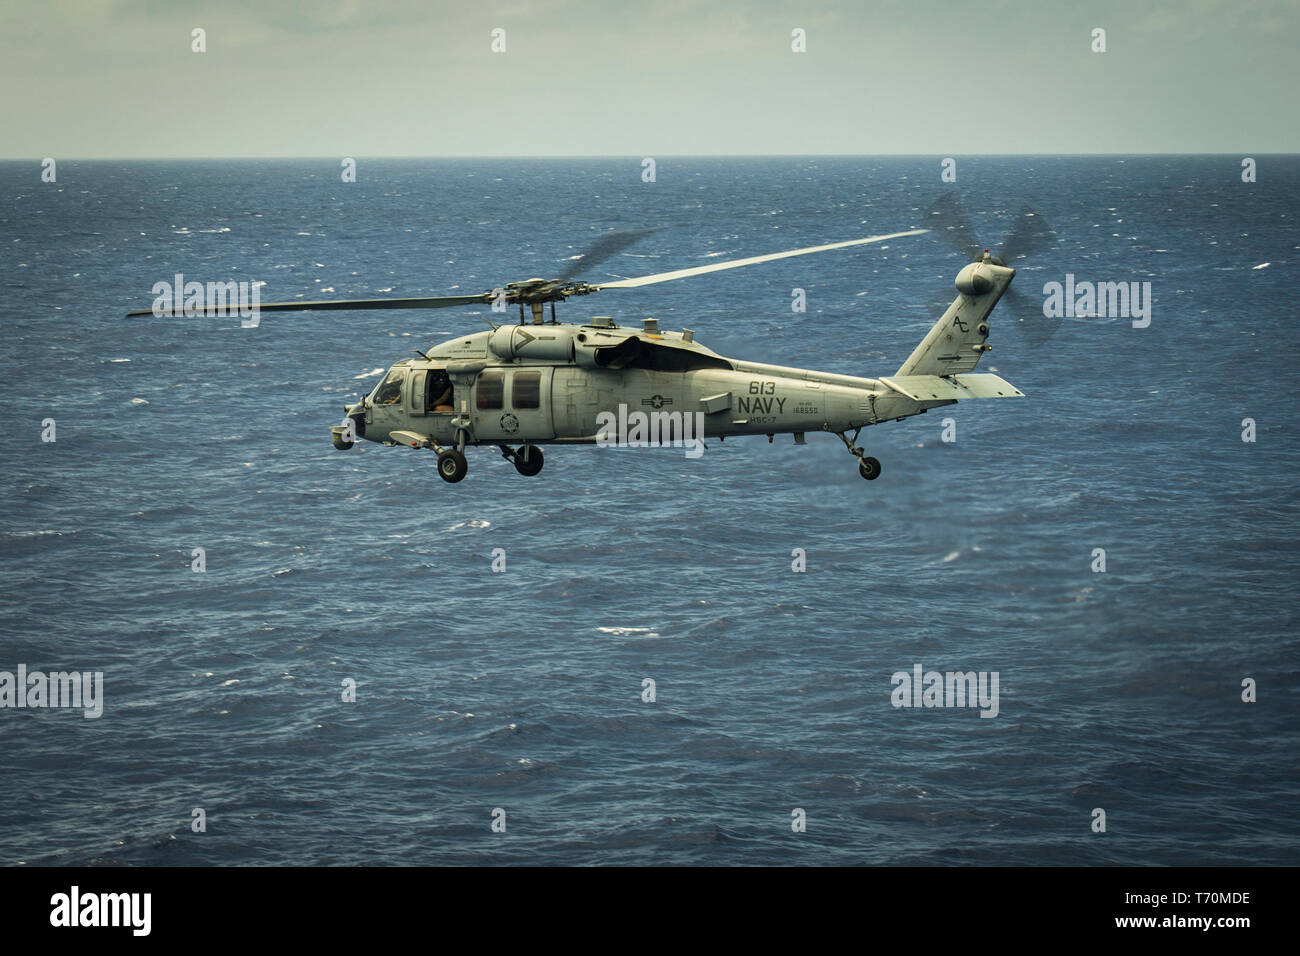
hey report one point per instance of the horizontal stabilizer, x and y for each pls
(930, 388)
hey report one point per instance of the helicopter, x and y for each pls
(522, 385)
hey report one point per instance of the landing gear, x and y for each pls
(452, 465)
(528, 460)
(868, 467)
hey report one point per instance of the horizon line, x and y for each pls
(620, 156)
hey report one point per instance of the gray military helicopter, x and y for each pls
(519, 386)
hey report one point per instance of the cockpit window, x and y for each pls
(390, 393)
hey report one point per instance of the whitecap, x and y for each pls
(476, 523)
(1262, 265)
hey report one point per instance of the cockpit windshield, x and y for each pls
(390, 392)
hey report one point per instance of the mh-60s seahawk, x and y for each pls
(520, 386)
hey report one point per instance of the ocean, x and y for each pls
(517, 698)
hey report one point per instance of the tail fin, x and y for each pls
(956, 342)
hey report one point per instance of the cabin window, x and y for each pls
(440, 396)
(491, 390)
(526, 390)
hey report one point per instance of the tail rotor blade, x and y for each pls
(1034, 326)
(947, 218)
(1029, 236)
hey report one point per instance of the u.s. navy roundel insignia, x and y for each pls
(656, 401)
(509, 424)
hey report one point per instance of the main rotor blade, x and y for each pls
(753, 260)
(609, 244)
(434, 302)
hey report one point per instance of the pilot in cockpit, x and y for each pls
(440, 391)
(390, 393)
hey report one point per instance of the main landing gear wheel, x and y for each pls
(529, 461)
(452, 466)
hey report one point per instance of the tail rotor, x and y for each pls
(1030, 236)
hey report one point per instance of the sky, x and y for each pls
(119, 78)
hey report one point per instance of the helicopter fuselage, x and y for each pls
(557, 383)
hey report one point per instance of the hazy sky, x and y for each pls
(100, 78)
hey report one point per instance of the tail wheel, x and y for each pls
(452, 466)
(869, 468)
(529, 460)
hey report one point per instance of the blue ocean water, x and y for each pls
(522, 690)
